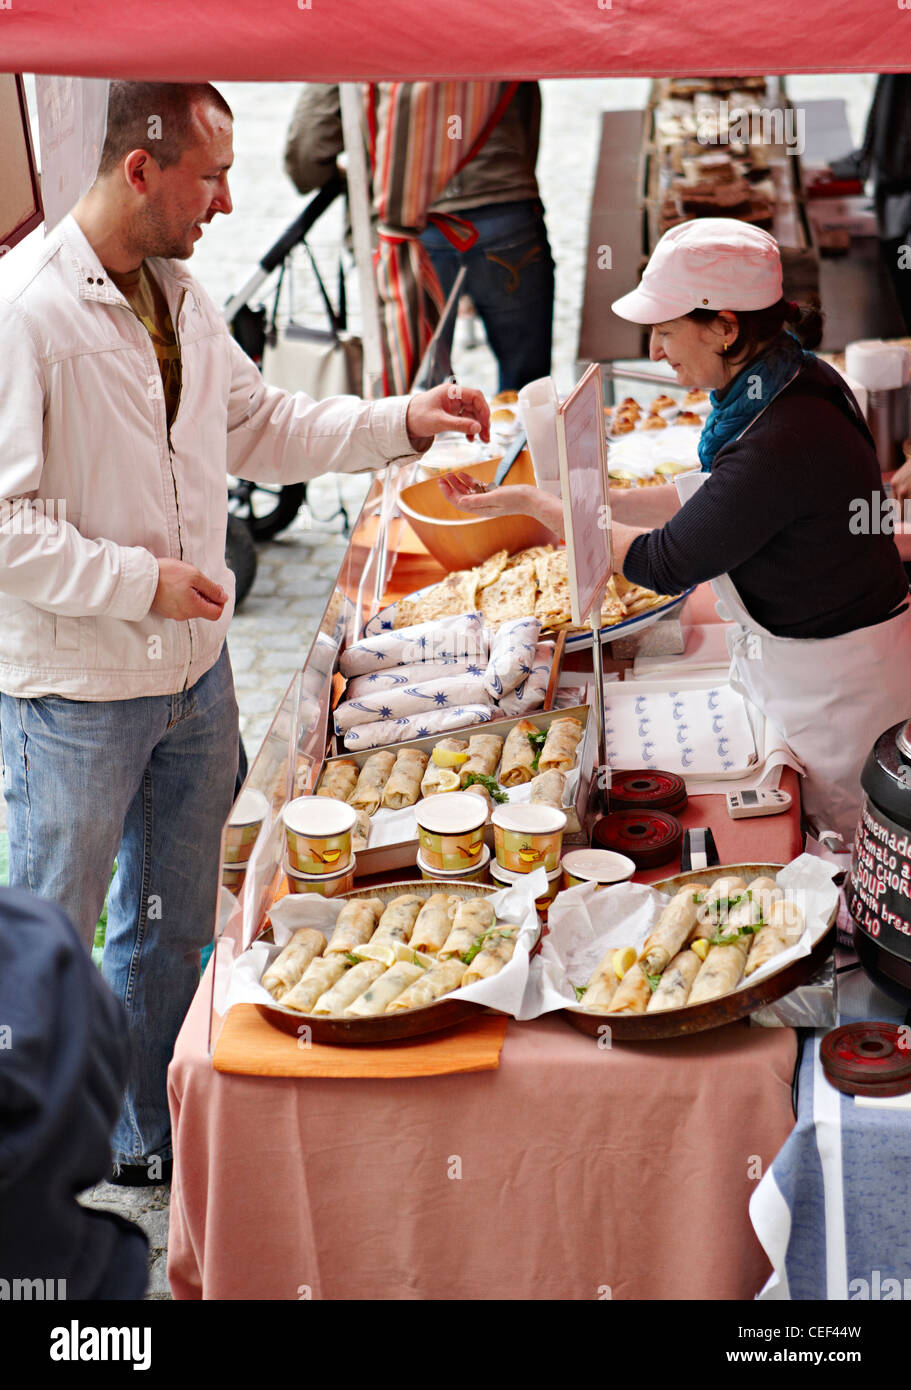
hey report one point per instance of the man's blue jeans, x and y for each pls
(511, 282)
(148, 782)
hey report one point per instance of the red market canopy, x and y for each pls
(350, 40)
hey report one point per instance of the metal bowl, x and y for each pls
(714, 1013)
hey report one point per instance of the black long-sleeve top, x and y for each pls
(783, 513)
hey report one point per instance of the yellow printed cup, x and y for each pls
(330, 885)
(528, 837)
(451, 830)
(244, 825)
(318, 834)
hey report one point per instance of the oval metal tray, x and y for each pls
(412, 1023)
(714, 1013)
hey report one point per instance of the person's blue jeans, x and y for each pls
(511, 282)
(148, 782)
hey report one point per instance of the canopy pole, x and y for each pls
(359, 203)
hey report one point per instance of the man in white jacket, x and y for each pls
(124, 402)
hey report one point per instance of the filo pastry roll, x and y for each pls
(601, 987)
(397, 922)
(348, 987)
(676, 982)
(320, 975)
(440, 979)
(339, 779)
(764, 892)
(355, 924)
(784, 926)
(483, 755)
(633, 993)
(499, 947)
(473, 917)
(547, 789)
(372, 780)
(559, 751)
(518, 755)
(435, 777)
(404, 785)
(720, 898)
(434, 922)
(722, 968)
(360, 832)
(384, 989)
(673, 928)
(290, 963)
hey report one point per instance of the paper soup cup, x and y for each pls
(244, 824)
(478, 874)
(528, 837)
(506, 877)
(318, 834)
(451, 830)
(233, 877)
(330, 885)
(597, 866)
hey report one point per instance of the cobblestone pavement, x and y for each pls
(272, 631)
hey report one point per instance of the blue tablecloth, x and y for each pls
(833, 1212)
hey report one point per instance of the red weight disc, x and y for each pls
(647, 837)
(641, 789)
(868, 1059)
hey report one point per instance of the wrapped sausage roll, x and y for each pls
(559, 751)
(483, 755)
(783, 927)
(480, 790)
(355, 924)
(434, 922)
(320, 975)
(404, 785)
(374, 776)
(397, 922)
(498, 948)
(376, 999)
(547, 789)
(339, 779)
(676, 982)
(349, 987)
(360, 832)
(440, 979)
(435, 777)
(518, 755)
(673, 928)
(633, 993)
(601, 987)
(721, 970)
(473, 916)
(290, 964)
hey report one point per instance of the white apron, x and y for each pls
(830, 697)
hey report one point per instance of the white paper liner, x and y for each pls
(584, 923)
(504, 991)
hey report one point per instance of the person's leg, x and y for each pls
(511, 281)
(164, 896)
(71, 769)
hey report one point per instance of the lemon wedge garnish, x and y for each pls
(622, 959)
(386, 955)
(449, 757)
(448, 781)
(700, 946)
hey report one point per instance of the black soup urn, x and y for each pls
(878, 888)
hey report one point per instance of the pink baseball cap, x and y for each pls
(709, 263)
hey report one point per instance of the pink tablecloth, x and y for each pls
(568, 1171)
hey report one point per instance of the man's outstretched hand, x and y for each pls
(447, 407)
(185, 592)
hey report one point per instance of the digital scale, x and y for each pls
(756, 803)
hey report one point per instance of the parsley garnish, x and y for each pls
(537, 742)
(352, 959)
(580, 990)
(653, 980)
(496, 792)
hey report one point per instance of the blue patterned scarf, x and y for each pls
(749, 393)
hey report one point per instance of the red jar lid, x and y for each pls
(868, 1059)
(648, 837)
(647, 789)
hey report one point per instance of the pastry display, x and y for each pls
(709, 939)
(388, 958)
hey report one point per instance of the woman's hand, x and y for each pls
(470, 495)
(447, 407)
(901, 482)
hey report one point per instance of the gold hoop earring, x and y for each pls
(724, 347)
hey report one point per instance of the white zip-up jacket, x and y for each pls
(83, 433)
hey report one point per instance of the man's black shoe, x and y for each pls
(154, 1174)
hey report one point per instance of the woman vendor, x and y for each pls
(778, 518)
